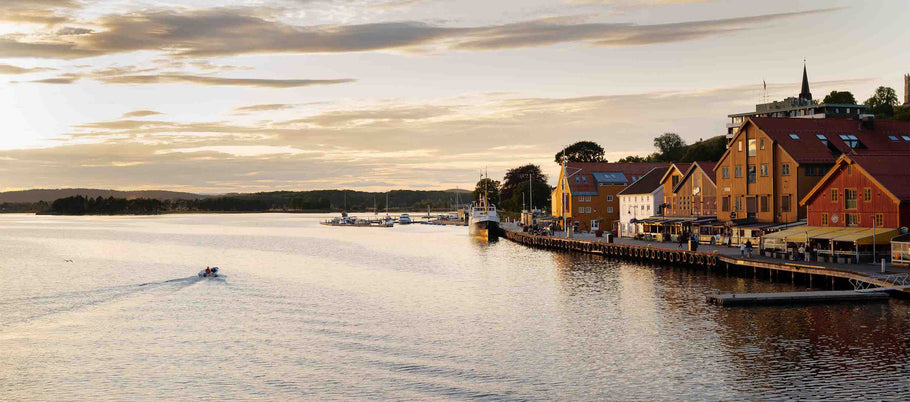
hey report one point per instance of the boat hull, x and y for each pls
(484, 230)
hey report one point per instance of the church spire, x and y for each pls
(804, 94)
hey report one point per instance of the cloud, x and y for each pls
(264, 108)
(139, 113)
(11, 69)
(47, 12)
(114, 76)
(234, 31)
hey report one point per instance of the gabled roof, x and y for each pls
(646, 184)
(591, 174)
(706, 167)
(890, 170)
(679, 167)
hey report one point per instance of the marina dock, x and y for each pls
(794, 273)
(813, 297)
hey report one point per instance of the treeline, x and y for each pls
(284, 201)
(81, 205)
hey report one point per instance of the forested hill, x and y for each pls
(49, 195)
(111, 202)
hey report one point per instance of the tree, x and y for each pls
(515, 177)
(634, 159)
(670, 147)
(708, 150)
(492, 189)
(540, 190)
(840, 98)
(582, 151)
(882, 102)
(902, 113)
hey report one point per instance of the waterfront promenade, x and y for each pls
(733, 252)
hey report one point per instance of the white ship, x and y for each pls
(484, 220)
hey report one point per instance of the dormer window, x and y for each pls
(850, 140)
(584, 179)
(577, 180)
(894, 138)
(794, 136)
(822, 138)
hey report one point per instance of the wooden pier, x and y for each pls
(824, 297)
(811, 276)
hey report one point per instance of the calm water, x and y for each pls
(412, 312)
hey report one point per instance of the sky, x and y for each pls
(253, 95)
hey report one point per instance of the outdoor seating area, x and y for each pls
(841, 245)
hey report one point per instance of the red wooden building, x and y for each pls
(862, 191)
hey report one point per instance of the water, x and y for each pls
(413, 312)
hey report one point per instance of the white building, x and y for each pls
(640, 200)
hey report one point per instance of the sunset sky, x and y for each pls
(387, 94)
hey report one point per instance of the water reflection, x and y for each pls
(410, 312)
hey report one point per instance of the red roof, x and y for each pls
(587, 183)
(892, 170)
(808, 148)
(707, 167)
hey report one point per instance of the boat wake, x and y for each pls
(26, 309)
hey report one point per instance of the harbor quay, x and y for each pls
(727, 261)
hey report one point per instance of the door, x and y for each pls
(595, 225)
(751, 207)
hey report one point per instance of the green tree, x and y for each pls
(582, 151)
(634, 159)
(670, 147)
(840, 98)
(492, 188)
(882, 102)
(708, 150)
(902, 113)
(515, 177)
(521, 196)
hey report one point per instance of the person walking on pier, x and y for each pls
(749, 248)
(742, 250)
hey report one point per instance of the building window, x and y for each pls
(739, 144)
(825, 219)
(851, 219)
(739, 171)
(761, 143)
(850, 198)
(794, 136)
(609, 198)
(850, 140)
(893, 138)
(581, 210)
(609, 210)
(867, 194)
(763, 170)
(785, 169)
(675, 180)
(906, 137)
(785, 203)
(752, 149)
(725, 204)
(725, 172)
(833, 195)
(577, 180)
(584, 179)
(850, 170)
(750, 173)
(879, 220)
(587, 210)
(764, 203)
(739, 204)
(822, 138)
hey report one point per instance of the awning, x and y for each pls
(860, 236)
(799, 234)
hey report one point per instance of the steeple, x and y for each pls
(804, 94)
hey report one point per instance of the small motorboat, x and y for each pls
(212, 272)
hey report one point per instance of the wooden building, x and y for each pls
(671, 178)
(696, 191)
(772, 163)
(858, 206)
(587, 193)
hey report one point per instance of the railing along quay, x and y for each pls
(810, 275)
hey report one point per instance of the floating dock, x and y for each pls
(815, 297)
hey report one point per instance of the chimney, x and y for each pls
(907, 89)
